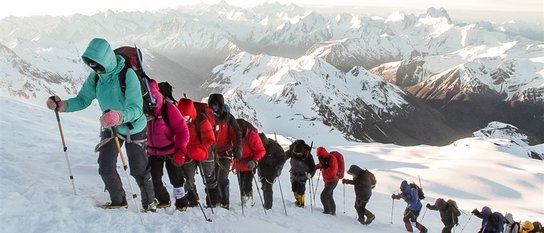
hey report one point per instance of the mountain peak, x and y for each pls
(438, 13)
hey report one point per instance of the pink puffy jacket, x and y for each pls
(164, 139)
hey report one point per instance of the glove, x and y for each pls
(318, 166)
(188, 159)
(179, 158)
(428, 205)
(475, 211)
(237, 154)
(54, 101)
(394, 196)
(111, 118)
(251, 164)
(343, 181)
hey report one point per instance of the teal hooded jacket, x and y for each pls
(108, 90)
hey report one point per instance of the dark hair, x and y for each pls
(166, 90)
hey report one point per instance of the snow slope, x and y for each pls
(36, 194)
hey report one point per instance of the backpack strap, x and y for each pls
(122, 85)
(122, 79)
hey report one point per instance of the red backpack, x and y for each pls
(341, 166)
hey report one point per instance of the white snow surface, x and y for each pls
(36, 193)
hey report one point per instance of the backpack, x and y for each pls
(512, 227)
(341, 166)
(166, 90)
(453, 204)
(372, 178)
(537, 226)
(203, 112)
(419, 191)
(133, 60)
(500, 221)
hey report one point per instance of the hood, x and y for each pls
(404, 186)
(509, 218)
(99, 50)
(527, 226)
(322, 152)
(217, 100)
(166, 90)
(440, 204)
(486, 211)
(299, 146)
(355, 170)
(187, 108)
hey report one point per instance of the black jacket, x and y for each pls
(448, 212)
(274, 159)
(302, 161)
(361, 183)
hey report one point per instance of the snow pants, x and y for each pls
(137, 162)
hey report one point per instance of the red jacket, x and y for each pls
(252, 149)
(330, 173)
(197, 148)
(227, 135)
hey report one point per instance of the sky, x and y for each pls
(68, 7)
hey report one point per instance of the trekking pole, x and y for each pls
(194, 188)
(134, 196)
(311, 205)
(392, 206)
(279, 183)
(199, 164)
(344, 187)
(462, 229)
(424, 212)
(282, 200)
(259, 192)
(240, 184)
(64, 147)
(317, 184)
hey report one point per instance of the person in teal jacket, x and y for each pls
(123, 108)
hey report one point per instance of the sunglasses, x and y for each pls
(96, 67)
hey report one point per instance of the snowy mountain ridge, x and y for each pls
(358, 104)
(211, 33)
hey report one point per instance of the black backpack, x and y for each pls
(371, 177)
(419, 191)
(133, 60)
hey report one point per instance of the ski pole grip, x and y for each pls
(56, 103)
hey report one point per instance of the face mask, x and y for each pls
(215, 108)
(96, 67)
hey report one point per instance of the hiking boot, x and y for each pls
(109, 205)
(369, 217)
(421, 228)
(225, 205)
(361, 220)
(164, 205)
(369, 220)
(192, 198)
(151, 207)
(181, 209)
(181, 203)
